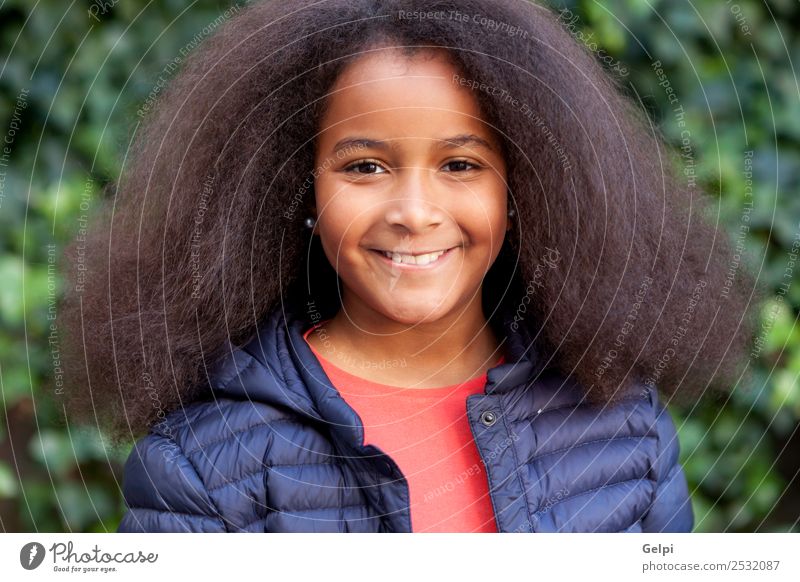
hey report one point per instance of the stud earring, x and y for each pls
(512, 213)
(310, 222)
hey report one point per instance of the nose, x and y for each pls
(416, 205)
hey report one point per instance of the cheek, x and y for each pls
(332, 222)
(488, 220)
(499, 214)
(340, 233)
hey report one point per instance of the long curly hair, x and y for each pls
(613, 263)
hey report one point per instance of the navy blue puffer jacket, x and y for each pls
(279, 450)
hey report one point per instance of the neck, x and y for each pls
(450, 350)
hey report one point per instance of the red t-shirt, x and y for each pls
(426, 432)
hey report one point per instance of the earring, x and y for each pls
(512, 213)
(310, 222)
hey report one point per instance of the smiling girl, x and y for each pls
(376, 267)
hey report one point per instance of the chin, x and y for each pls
(414, 314)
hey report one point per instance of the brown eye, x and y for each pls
(364, 167)
(460, 166)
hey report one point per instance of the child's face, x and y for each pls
(412, 193)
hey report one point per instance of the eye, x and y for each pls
(461, 166)
(370, 166)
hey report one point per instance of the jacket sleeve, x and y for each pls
(671, 510)
(163, 491)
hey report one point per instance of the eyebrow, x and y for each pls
(461, 140)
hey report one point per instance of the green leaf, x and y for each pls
(8, 481)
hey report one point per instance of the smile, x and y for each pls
(413, 261)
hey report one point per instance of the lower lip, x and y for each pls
(407, 267)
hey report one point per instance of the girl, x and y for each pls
(392, 266)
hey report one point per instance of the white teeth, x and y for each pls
(414, 260)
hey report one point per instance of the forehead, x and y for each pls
(417, 94)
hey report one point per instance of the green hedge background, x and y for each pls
(72, 80)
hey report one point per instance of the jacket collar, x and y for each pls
(278, 367)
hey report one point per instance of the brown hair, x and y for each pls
(612, 262)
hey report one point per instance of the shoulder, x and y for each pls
(181, 476)
(223, 438)
(663, 428)
(637, 425)
(671, 509)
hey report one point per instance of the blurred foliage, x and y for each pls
(70, 89)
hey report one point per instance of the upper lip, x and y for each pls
(415, 253)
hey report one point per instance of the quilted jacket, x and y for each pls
(277, 449)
